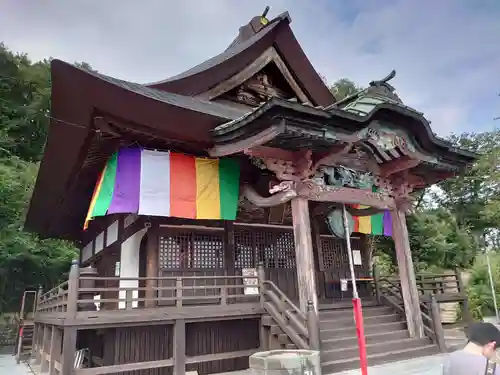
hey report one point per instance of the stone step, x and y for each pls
(376, 338)
(372, 348)
(330, 367)
(348, 332)
(370, 319)
(345, 313)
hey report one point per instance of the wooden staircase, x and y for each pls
(26, 337)
(333, 331)
(386, 335)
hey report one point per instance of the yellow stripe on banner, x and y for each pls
(207, 189)
(365, 223)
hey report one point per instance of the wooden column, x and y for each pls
(304, 255)
(179, 347)
(409, 289)
(45, 349)
(70, 333)
(152, 265)
(55, 349)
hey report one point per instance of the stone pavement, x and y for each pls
(420, 366)
(9, 366)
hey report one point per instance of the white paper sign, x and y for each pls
(250, 281)
(117, 269)
(343, 285)
(356, 257)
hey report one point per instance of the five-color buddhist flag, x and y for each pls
(378, 224)
(160, 183)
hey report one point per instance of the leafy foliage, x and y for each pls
(343, 88)
(25, 261)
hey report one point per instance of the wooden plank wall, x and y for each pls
(150, 343)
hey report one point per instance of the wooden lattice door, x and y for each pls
(198, 253)
(275, 248)
(334, 266)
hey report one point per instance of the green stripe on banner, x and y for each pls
(377, 219)
(378, 223)
(108, 185)
(229, 186)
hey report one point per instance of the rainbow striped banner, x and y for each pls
(157, 183)
(378, 224)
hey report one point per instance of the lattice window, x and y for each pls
(272, 247)
(285, 251)
(334, 253)
(245, 252)
(207, 251)
(170, 254)
(191, 250)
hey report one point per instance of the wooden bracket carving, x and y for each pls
(287, 190)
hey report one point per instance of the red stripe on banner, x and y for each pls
(360, 331)
(356, 219)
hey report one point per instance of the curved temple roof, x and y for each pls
(93, 114)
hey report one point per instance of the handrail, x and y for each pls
(302, 329)
(172, 290)
(432, 323)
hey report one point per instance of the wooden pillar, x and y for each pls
(45, 349)
(70, 333)
(179, 347)
(304, 255)
(37, 343)
(55, 349)
(409, 291)
(68, 350)
(152, 265)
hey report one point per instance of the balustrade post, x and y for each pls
(313, 327)
(261, 275)
(178, 292)
(437, 325)
(73, 279)
(466, 314)
(376, 282)
(87, 284)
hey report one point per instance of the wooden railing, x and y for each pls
(302, 329)
(391, 295)
(56, 299)
(90, 293)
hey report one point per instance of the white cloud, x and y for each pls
(446, 52)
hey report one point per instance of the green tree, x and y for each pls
(343, 88)
(25, 261)
(474, 197)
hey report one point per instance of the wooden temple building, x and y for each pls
(207, 279)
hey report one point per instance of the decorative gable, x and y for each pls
(267, 77)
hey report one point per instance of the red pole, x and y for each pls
(360, 331)
(356, 302)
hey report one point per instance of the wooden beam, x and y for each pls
(398, 165)
(409, 291)
(304, 254)
(266, 152)
(345, 195)
(256, 140)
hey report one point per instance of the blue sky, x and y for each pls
(446, 52)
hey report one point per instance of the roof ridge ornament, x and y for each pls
(384, 88)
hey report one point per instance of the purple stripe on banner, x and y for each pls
(387, 224)
(128, 181)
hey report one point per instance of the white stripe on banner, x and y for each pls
(155, 183)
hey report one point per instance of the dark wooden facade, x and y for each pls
(174, 294)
